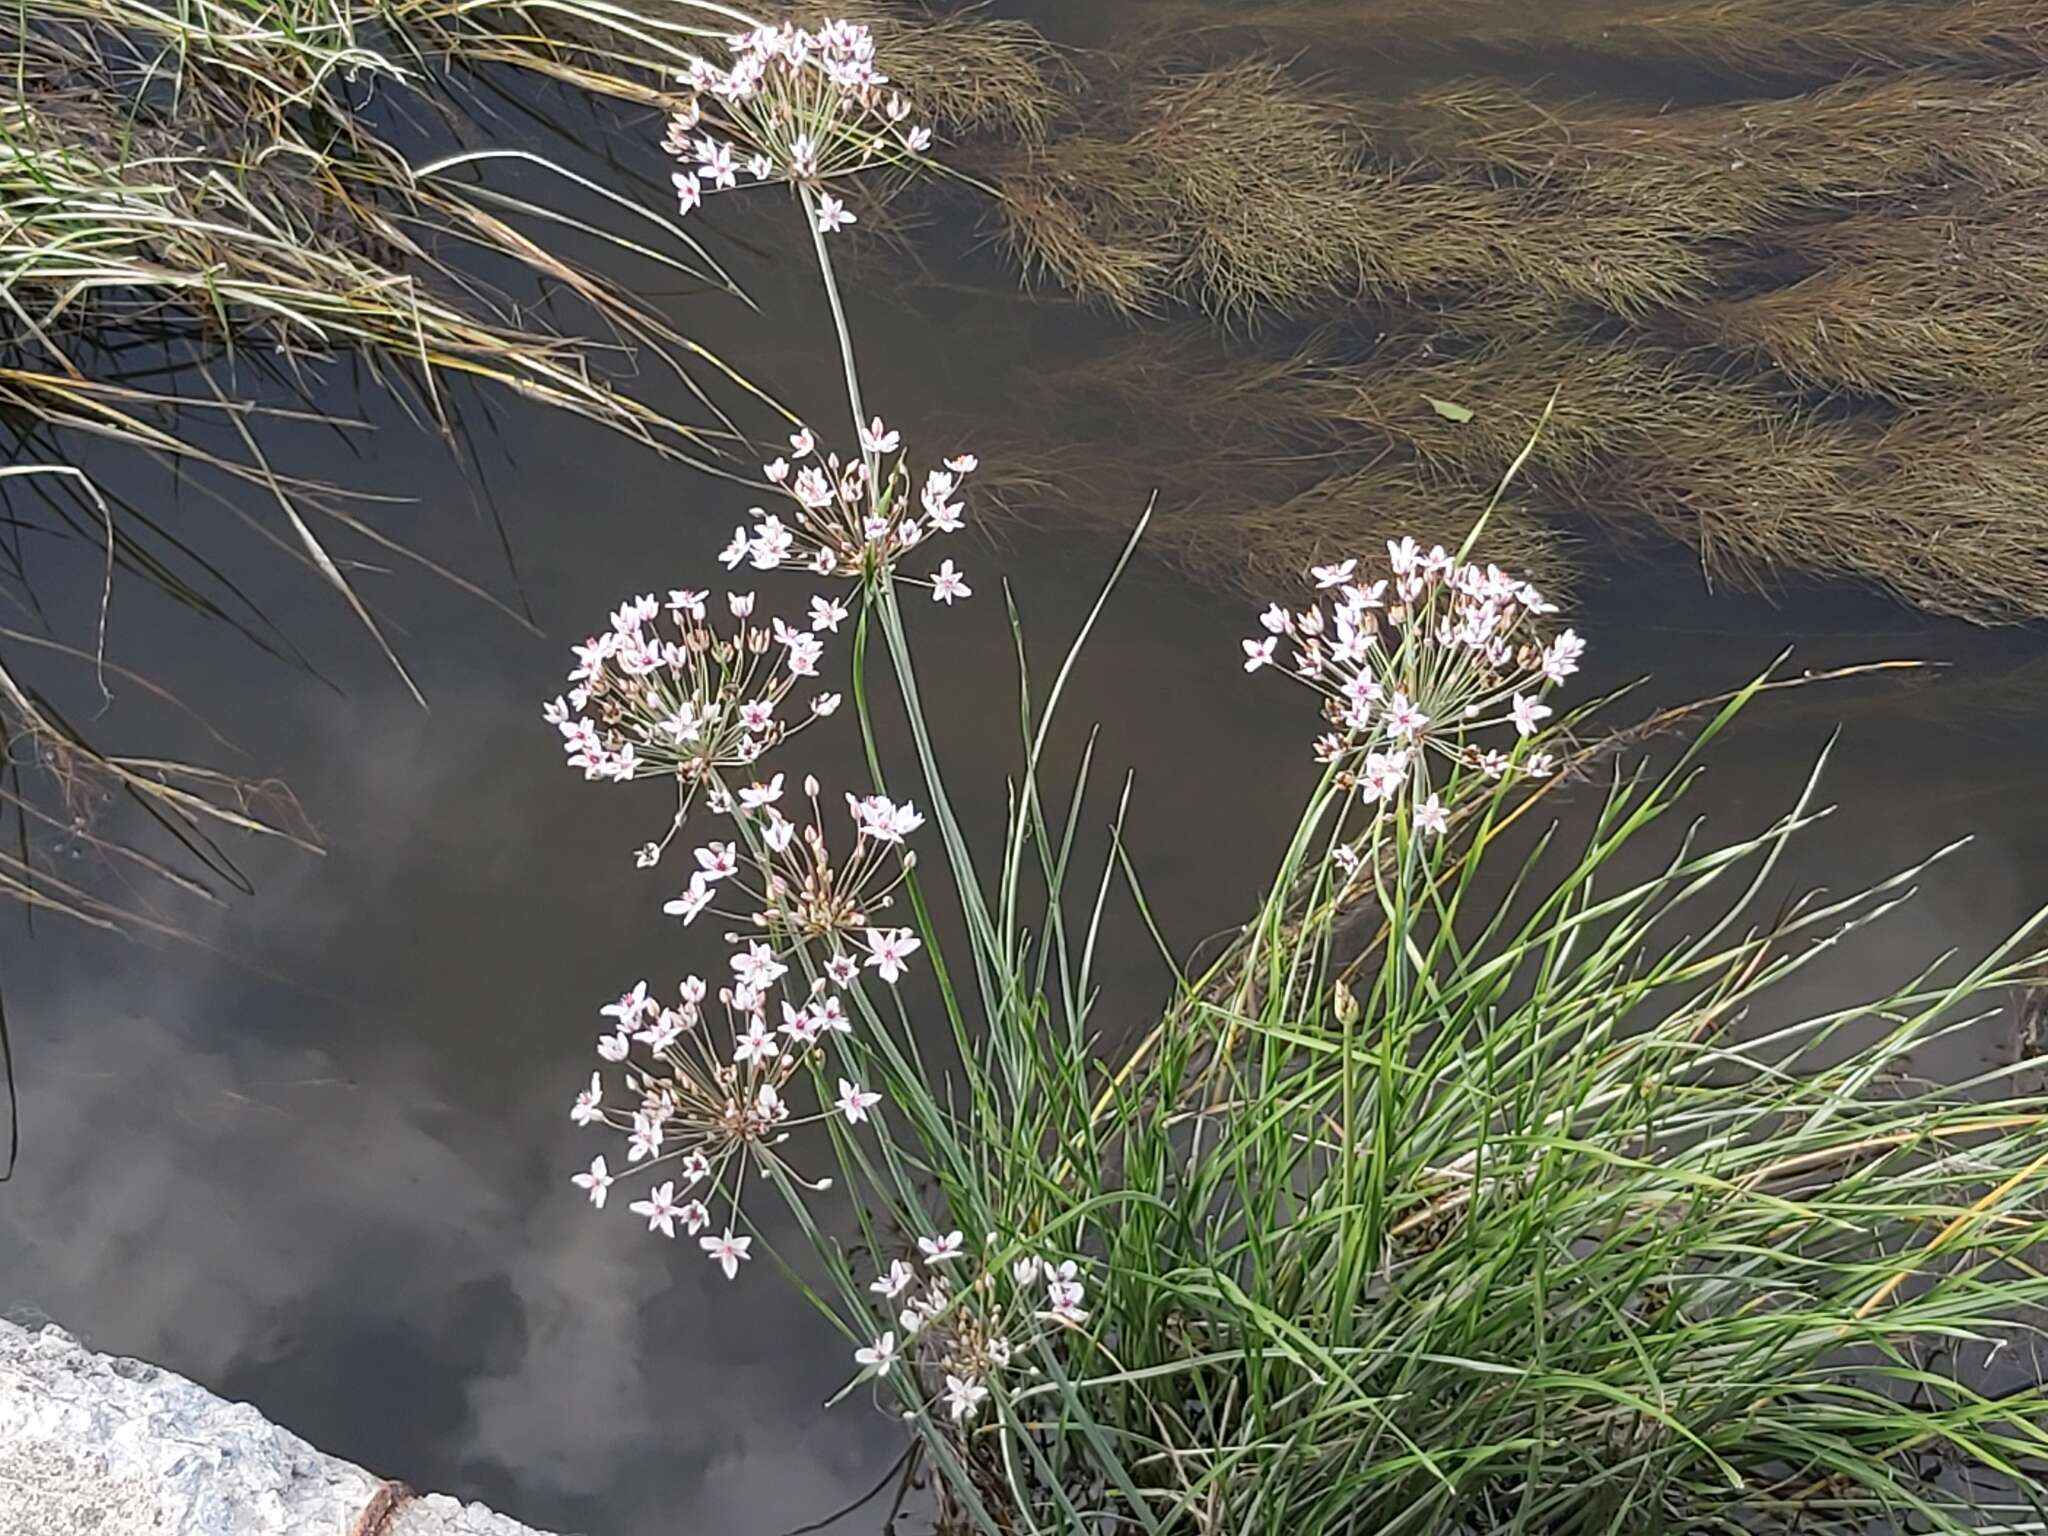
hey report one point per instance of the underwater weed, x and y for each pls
(1746, 37)
(1941, 510)
(1743, 162)
(1239, 191)
(1639, 438)
(1236, 188)
(1932, 303)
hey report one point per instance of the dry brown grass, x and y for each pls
(1243, 192)
(1752, 37)
(1943, 510)
(1238, 189)
(1252, 487)
(1912, 304)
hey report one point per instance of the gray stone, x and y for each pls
(91, 1445)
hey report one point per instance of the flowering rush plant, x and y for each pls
(796, 106)
(1470, 1216)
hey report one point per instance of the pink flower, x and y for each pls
(948, 584)
(964, 1397)
(833, 215)
(585, 1109)
(1259, 653)
(692, 901)
(716, 161)
(1384, 774)
(895, 1282)
(597, 1181)
(726, 1251)
(629, 1007)
(646, 1138)
(758, 968)
(1527, 713)
(1328, 576)
(889, 949)
(659, 1208)
(855, 1102)
(941, 1250)
(879, 1356)
(1561, 656)
(1403, 718)
(1063, 1298)
(755, 1045)
(876, 438)
(755, 796)
(1430, 817)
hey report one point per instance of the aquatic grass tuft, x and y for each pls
(1776, 38)
(1741, 308)
(1237, 188)
(1925, 305)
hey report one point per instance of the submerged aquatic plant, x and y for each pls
(1472, 1188)
(1732, 303)
(1749, 37)
(1239, 189)
(1929, 304)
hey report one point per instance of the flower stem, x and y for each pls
(860, 415)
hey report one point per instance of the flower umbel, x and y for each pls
(856, 518)
(667, 692)
(800, 106)
(1417, 662)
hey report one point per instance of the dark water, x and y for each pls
(319, 1159)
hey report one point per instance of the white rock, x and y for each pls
(91, 1445)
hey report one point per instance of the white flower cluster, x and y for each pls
(855, 519)
(797, 889)
(1417, 661)
(685, 700)
(960, 1337)
(709, 1075)
(708, 1081)
(796, 106)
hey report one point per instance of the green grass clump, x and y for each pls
(1508, 1192)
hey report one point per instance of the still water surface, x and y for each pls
(319, 1160)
